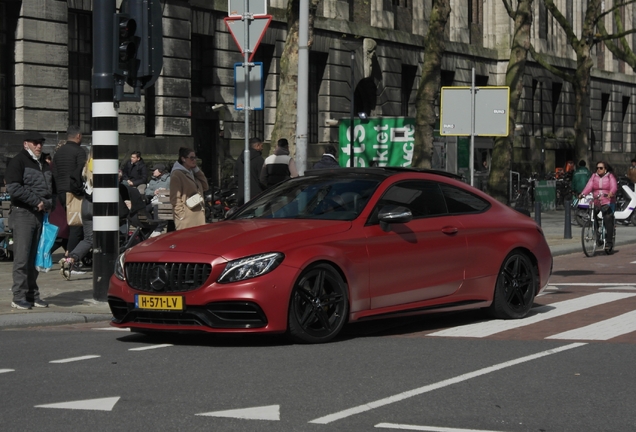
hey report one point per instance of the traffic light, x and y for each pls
(125, 47)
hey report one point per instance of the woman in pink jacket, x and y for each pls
(603, 187)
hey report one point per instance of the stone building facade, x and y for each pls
(46, 58)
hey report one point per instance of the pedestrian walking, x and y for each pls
(279, 166)
(30, 185)
(81, 184)
(68, 159)
(580, 177)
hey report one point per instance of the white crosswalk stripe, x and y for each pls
(603, 330)
(542, 313)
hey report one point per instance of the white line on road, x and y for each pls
(624, 288)
(592, 284)
(445, 383)
(72, 359)
(150, 347)
(427, 428)
(553, 310)
(113, 329)
(602, 330)
(6, 370)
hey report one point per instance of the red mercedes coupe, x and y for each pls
(331, 247)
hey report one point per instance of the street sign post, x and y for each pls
(255, 28)
(491, 111)
(247, 31)
(236, 8)
(470, 111)
(256, 100)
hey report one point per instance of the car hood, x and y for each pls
(237, 238)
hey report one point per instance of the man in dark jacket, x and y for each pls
(256, 165)
(135, 171)
(580, 177)
(67, 160)
(278, 167)
(328, 159)
(30, 185)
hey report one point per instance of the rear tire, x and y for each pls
(589, 239)
(516, 286)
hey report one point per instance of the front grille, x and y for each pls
(167, 277)
(237, 315)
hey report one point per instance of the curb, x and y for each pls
(22, 320)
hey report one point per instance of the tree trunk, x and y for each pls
(502, 152)
(287, 99)
(428, 91)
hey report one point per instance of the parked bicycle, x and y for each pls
(594, 234)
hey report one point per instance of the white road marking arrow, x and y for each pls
(269, 412)
(103, 404)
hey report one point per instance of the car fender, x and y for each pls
(352, 263)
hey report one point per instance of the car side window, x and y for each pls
(459, 201)
(423, 198)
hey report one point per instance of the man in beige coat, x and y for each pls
(186, 181)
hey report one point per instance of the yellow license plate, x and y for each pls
(158, 302)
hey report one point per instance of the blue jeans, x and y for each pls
(26, 236)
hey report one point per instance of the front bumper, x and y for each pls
(256, 305)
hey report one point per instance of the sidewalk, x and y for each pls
(72, 301)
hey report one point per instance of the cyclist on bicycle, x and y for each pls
(603, 187)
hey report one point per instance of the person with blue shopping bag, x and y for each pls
(30, 185)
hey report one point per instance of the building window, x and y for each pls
(605, 120)
(626, 127)
(557, 119)
(408, 79)
(201, 64)
(8, 20)
(543, 21)
(317, 64)
(80, 63)
(475, 20)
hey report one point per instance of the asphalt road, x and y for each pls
(567, 367)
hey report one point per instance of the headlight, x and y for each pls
(119, 267)
(250, 267)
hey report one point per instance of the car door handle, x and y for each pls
(450, 230)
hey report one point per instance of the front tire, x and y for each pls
(516, 286)
(589, 237)
(319, 306)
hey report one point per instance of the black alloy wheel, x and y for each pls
(516, 286)
(318, 306)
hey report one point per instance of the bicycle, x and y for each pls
(593, 233)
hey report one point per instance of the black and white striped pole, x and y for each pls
(105, 151)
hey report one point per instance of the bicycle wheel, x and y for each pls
(581, 216)
(588, 239)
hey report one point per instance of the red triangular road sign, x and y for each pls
(256, 31)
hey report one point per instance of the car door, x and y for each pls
(419, 260)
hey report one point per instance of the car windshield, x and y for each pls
(313, 197)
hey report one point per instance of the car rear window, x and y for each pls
(459, 201)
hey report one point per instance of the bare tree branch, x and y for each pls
(622, 50)
(563, 22)
(539, 58)
(508, 7)
(614, 8)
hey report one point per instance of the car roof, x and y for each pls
(386, 171)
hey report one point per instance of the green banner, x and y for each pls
(383, 141)
(545, 193)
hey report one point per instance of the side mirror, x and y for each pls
(391, 214)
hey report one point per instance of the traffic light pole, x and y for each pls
(105, 151)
